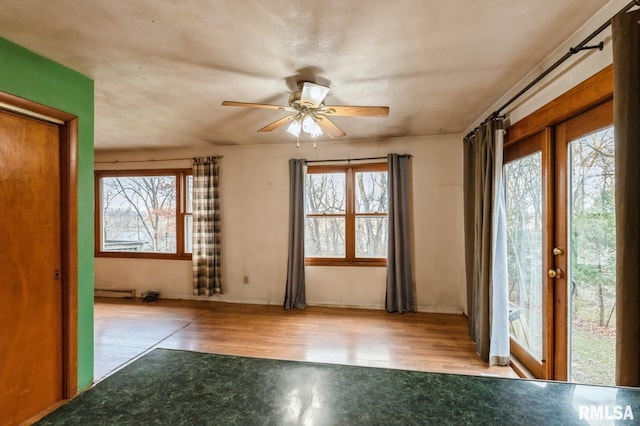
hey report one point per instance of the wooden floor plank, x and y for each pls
(126, 329)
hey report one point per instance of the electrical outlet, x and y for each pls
(246, 279)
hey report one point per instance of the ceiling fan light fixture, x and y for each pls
(313, 93)
(294, 128)
(310, 126)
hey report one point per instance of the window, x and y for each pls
(346, 215)
(143, 213)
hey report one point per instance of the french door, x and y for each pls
(559, 186)
(585, 233)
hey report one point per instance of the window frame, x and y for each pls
(182, 212)
(350, 215)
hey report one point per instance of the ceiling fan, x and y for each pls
(310, 114)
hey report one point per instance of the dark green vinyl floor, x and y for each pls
(169, 387)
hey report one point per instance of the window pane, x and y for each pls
(371, 236)
(188, 234)
(325, 193)
(189, 190)
(371, 192)
(592, 254)
(324, 237)
(139, 214)
(523, 184)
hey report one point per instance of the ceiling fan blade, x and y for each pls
(313, 93)
(250, 105)
(269, 127)
(329, 127)
(356, 111)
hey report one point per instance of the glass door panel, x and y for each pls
(524, 195)
(592, 258)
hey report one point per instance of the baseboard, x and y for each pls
(115, 292)
(269, 302)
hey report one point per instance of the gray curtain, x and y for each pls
(626, 118)
(207, 276)
(399, 296)
(479, 197)
(295, 291)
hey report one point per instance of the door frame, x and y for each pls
(591, 93)
(68, 125)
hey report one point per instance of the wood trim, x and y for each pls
(548, 185)
(526, 358)
(142, 172)
(527, 146)
(69, 185)
(560, 326)
(595, 119)
(330, 261)
(142, 255)
(337, 168)
(350, 219)
(26, 107)
(69, 232)
(593, 91)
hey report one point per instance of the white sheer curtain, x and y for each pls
(499, 346)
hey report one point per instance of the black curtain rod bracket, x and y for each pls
(598, 46)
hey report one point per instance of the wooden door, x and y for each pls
(31, 309)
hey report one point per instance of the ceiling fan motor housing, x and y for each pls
(295, 100)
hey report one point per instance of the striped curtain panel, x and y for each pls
(207, 277)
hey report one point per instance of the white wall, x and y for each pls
(254, 203)
(572, 72)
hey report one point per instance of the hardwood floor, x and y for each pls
(126, 329)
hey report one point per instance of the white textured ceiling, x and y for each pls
(163, 67)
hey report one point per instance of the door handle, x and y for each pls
(556, 273)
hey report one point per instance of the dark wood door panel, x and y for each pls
(30, 292)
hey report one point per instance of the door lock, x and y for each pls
(556, 273)
(56, 274)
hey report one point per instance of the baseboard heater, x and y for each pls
(114, 292)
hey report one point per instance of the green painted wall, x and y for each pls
(30, 76)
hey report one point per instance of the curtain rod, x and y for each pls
(148, 161)
(572, 51)
(348, 160)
